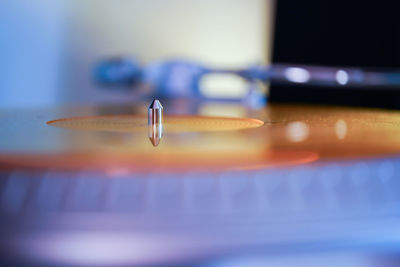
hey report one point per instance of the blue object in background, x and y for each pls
(176, 78)
(118, 71)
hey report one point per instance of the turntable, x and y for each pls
(176, 152)
(90, 185)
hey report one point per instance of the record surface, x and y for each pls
(115, 139)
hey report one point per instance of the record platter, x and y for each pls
(89, 185)
(275, 136)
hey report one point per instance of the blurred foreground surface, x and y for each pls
(327, 211)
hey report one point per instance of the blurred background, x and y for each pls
(50, 48)
(338, 33)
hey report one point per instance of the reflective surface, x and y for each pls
(344, 210)
(290, 135)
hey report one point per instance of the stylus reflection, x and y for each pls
(155, 120)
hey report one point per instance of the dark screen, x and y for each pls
(337, 33)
